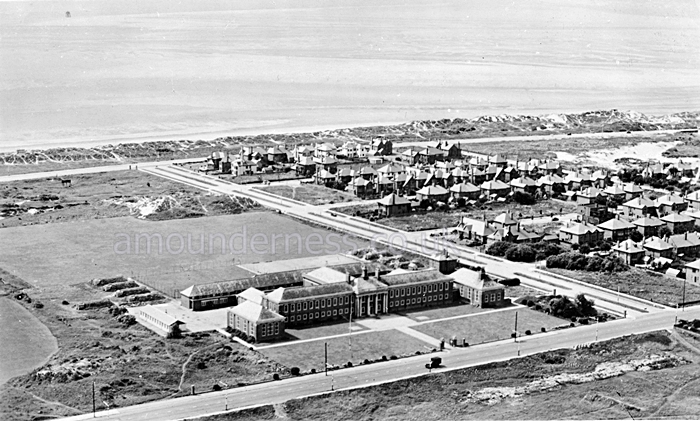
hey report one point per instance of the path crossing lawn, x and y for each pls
(372, 345)
(424, 315)
(331, 329)
(491, 326)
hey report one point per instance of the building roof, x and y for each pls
(589, 192)
(648, 222)
(370, 284)
(160, 315)
(263, 281)
(252, 294)
(615, 224)
(614, 190)
(497, 159)
(656, 243)
(391, 168)
(285, 294)
(359, 181)
(578, 228)
(550, 180)
(694, 196)
(632, 188)
(494, 185)
(676, 218)
(464, 188)
(255, 312)
(393, 199)
(523, 182)
(326, 275)
(415, 276)
(693, 265)
(628, 246)
(475, 279)
(669, 200)
(640, 203)
(432, 191)
(477, 226)
(688, 239)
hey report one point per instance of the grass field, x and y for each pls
(443, 312)
(666, 393)
(372, 345)
(491, 326)
(72, 252)
(639, 283)
(311, 193)
(108, 195)
(323, 330)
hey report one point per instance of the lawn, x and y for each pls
(443, 312)
(491, 326)
(71, 252)
(321, 331)
(639, 283)
(350, 348)
(311, 193)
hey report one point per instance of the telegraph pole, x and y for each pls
(515, 338)
(325, 348)
(683, 294)
(93, 400)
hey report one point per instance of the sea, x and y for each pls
(96, 72)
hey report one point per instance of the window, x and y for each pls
(293, 319)
(425, 289)
(486, 298)
(328, 302)
(323, 314)
(391, 293)
(430, 288)
(311, 315)
(391, 303)
(413, 291)
(402, 302)
(347, 299)
(335, 312)
(403, 292)
(316, 303)
(285, 308)
(424, 299)
(430, 298)
(447, 286)
(304, 316)
(306, 306)
(277, 328)
(323, 303)
(413, 301)
(298, 306)
(440, 287)
(335, 301)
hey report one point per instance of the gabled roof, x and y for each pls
(393, 199)
(497, 159)
(359, 181)
(255, 312)
(367, 171)
(688, 239)
(391, 169)
(477, 226)
(693, 265)
(505, 219)
(414, 276)
(522, 182)
(475, 279)
(550, 179)
(367, 285)
(262, 281)
(160, 315)
(578, 228)
(430, 151)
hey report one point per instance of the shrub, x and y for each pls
(393, 357)
(528, 332)
(574, 246)
(64, 302)
(512, 335)
(201, 366)
(313, 371)
(216, 387)
(499, 248)
(349, 364)
(523, 198)
(38, 304)
(544, 329)
(584, 249)
(295, 371)
(384, 358)
(521, 253)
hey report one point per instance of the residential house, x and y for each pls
(616, 192)
(617, 229)
(686, 244)
(394, 205)
(693, 200)
(692, 271)
(327, 163)
(325, 150)
(600, 179)
(576, 181)
(513, 234)
(452, 151)
(580, 233)
(648, 226)
(678, 223)
(523, 185)
(632, 191)
(551, 184)
(361, 187)
(494, 188)
(639, 208)
(277, 154)
(381, 147)
(629, 252)
(477, 230)
(587, 195)
(433, 194)
(465, 190)
(658, 247)
(670, 203)
(498, 160)
(430, 156)
(305, 166)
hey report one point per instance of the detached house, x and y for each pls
(648, 226)
(693, 200)
(629, 252)
(580, 233)
(638, 208)
(616, 229)
(394, 205)
(693, 271)
(678, 223)
(670, 203)
(658, 247)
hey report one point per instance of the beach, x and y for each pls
(129, 71)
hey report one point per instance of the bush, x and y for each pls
(528, 332)
(384, 358)
(216, 387)
(366, 361)
(201, 366)
(313, 371)
(295, 371)
(38, 304)
(393, 357)
(275, 376)
(499, 248)
(574, 246)
(543, 329)
(521, 253)
(349, 364)
(512, 335)
(584, 249)
(64, 302)
(524, 198)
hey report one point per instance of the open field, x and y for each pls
(689, 148)
(78, 251)
(128, 363)
(639, 283)
(496, 391)
(26, 343)
(491, 326)
(108, 195)
(371, 345)
(311, 193)
(323, 330)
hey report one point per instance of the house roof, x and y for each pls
(614, 190)
(464, 188)
(306, 160)
(477, 226)
(393, 199)
(370, 284)
(639, 203)
(578, 228)
(498, 158)
(669, 199)
(505, 218)
(676, 218)
(648, 222)
(693, 265)
(359, 181)
(523, 182)
(589, 192)
(550, 179)
(632, 188)
(656, 243)
(615, 224)
(694, 196)
(367, 171)
(628, 246)
(691, 239)
(255, 312)
(430, 151)
(494, 185)
(391, 169)
(475, 279)
(432, 191)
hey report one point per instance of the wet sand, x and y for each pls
(129, 71)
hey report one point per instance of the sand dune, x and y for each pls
(199, 69)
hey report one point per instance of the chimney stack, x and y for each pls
(376, 272)
(364, 272)
(348, 279)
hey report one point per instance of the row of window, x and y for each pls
(494, 296)
(308, 305)
(318, 314)
(269, 329)
(418, 300)
(402, 292)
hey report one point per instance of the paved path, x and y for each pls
(435, 343)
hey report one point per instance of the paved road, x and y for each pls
(362, 376)
(414, 241)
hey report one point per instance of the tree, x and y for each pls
(664, 231)
(558, 188)
(584, 249)
(524, 198)
(521, 253)
(585, 306)
(636, 236)
(499, 248)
